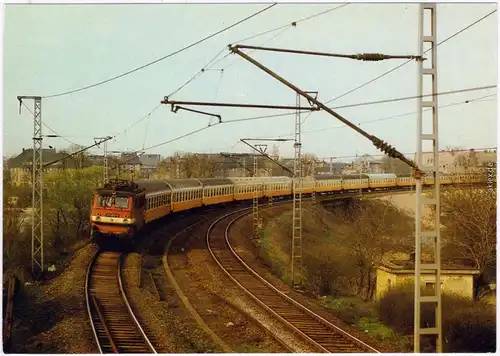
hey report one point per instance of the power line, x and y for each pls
(476, 149)
(160, 59)
(352, 105)
(267, 41)
(414, 97)
(196, 74)
(401, 115)
(283, 28)
(50, 128)
(404, 63)
(304, 132)
(293, 23)
(138, 121)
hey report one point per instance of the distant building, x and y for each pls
(20, 166)
(326, 168)
(130, 163)
(461, 161)
(149, 164)
(454, 278)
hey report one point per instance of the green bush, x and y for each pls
(467, 326)
(470, 330)
(349, 309)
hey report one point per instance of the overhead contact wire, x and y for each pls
(404, 63)
(285, 27)
(50, 128)
(160, 59)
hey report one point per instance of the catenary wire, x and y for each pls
(407, 153)
(404, 63)
(361, 104)
(160, 59)
(283, 27)
(50, 128)
(396, 116)
(268, 116)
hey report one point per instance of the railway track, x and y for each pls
(115, 327)
(320, 333)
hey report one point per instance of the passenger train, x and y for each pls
(123, 208)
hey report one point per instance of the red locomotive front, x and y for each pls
(113, 213)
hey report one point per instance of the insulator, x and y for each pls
(370, 56)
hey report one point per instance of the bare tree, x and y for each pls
(396, 166)
(373, 229)
(469, 217)
(309, 161)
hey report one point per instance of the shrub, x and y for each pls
(349, 309)
(467, 326)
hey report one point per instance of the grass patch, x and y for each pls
(376, 329)
(360, 314)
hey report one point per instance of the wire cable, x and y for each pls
(209, 65)
(160, 59)
(267, 41)
(50, 128)
(292, 23)
(477, 149)
(293, 113)
(413, 97)
(404, 63)
(400, 115)
(360, 104)
(196, 74)
(138, 121)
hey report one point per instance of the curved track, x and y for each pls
(115, 327)
(320, 333)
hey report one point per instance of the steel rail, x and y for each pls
(87, 300)
(92, 302)
(129, 308)
(286, 297)
(257, 300)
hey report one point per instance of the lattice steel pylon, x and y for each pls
(297, 269)
(313, 169)
(105, 161)
(255, 201)
(428, 36)
(37, 183)
(105, 175)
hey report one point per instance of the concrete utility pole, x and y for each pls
(431, 237)
(37, 191)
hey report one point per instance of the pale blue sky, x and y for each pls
(53, 48)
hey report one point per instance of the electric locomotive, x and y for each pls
(117, 210)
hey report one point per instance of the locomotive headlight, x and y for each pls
(97, 218)
(125, 221)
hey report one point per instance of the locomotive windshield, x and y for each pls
(107, 201)
(121, 202)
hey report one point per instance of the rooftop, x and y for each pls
(408, 267)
